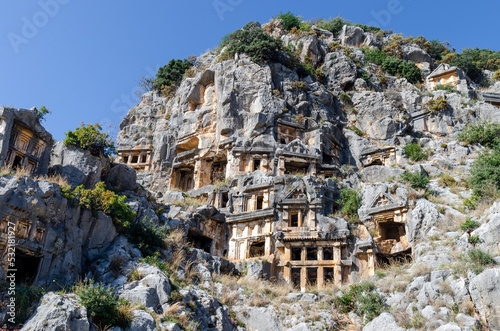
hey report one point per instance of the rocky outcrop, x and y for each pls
(340, 71)
(384, 321)
(58, 312)
(485, 291)
(78, 166)
(421, 219)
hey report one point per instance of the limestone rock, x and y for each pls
(384, 321)
(122, 177)
(352, 36)
(339, 69)
(262, 319)
(421, 219)
(142, 321)
(58, 312)
(77, 165)
(485, 291)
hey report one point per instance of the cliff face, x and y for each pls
(291, 180)
(271, 147)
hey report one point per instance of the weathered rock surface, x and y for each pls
(57, 312)
(78, 166)
(485, 291)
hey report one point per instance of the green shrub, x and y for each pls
(485, 134)
(334, 25)
(102, 305)
(375, 55)
(469, 225)
(147, 235)
(446, 180)
(171, 74)
(91, 138)
(350, 201)
(472, 202)
(371, 305)
(42, 113)
(474, 60)
(496, 76)
(479, 260)
(345, 98)
(473, 240)
(363, 299)
(417, 180)
(405, 69)
(447, 88)
(156, 261)
(415, 152)
(438, 104)
(485, 173)
(102, 199)
(290, 20)
(357, 131)
(254, 42)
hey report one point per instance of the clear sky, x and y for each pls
(82, 59)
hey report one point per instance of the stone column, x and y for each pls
(321, 277)
(303, 279)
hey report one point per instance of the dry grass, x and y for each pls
(125, 313)
(176, 238)
(420, 270)
(18, 171)
(174, 309)
(134, 274)
(258, 300)
(6, 171)
(482, 205)
(54, 178)
(450, 222)
(416, 194)
(228, 297)
(116, 265)
(467, 307)
(190, 272)
(272, 289)
(176, 259)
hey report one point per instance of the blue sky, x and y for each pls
(82, 59)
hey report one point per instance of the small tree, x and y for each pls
(417, 180)
(290, 20)
(415, 152)
(254, 42)
(90, 137)
(171, 74)
(350, 202)
(42, 113)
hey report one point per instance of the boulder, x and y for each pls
(122, 177)
(421, 219)
(384, 321)
(488, 234)
(142, 321)
(352, 36)
(449, 327)
(485, 292)
(261, 319)
(77, 165)
(58, 312)
(339, 70)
